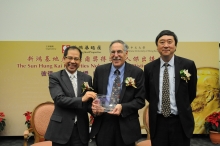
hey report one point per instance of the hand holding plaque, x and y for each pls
(103, 103)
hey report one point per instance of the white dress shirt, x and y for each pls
(171, 71)
(73, 79)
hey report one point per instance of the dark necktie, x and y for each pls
(166, 93)
(116, 88)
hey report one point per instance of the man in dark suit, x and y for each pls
(69, 124)
(172, 125)
(119, 127)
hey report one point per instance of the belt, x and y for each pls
(170, 116)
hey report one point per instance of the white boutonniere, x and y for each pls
(86, 87)
(185, 75)
(129, 81)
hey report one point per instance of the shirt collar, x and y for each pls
(171, 62)
(71, 75)
(121, 69)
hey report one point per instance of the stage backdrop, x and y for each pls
(25, 66)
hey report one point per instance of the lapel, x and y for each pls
(156, 75)
(127, 73)
(67, 82)
(105, 77)
(178, 66)
(79, 82)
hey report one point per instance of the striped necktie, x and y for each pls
(74, 83)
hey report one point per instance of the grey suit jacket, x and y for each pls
(184, 92)
(66, 107)
(132, 99)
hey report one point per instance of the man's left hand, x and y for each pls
(117, 110)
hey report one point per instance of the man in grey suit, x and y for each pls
(69, 123)
(119, 127)
(170, 114)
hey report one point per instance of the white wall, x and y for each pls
(107, 20)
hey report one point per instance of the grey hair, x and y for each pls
(121, 42)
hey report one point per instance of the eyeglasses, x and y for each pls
(70, 58)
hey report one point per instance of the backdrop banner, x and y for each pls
(26, 65)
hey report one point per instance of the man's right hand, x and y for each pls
(88, 95)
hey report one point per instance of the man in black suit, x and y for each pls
(119, 127)
(172, 125)
(69, 123)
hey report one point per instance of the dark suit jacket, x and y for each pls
(131, 99)
(66, 107)
(184, 92)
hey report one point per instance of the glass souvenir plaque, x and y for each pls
(105, 102)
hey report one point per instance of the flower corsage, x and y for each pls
(185, 75)
(86, 87)
(129, 81)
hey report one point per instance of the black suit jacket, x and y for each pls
(66, 107)
(184, 92)
(132, 99)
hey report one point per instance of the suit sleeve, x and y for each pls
(146, 82)
(89, 105)
(60, 95)
(193, 81)
(137, 99)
